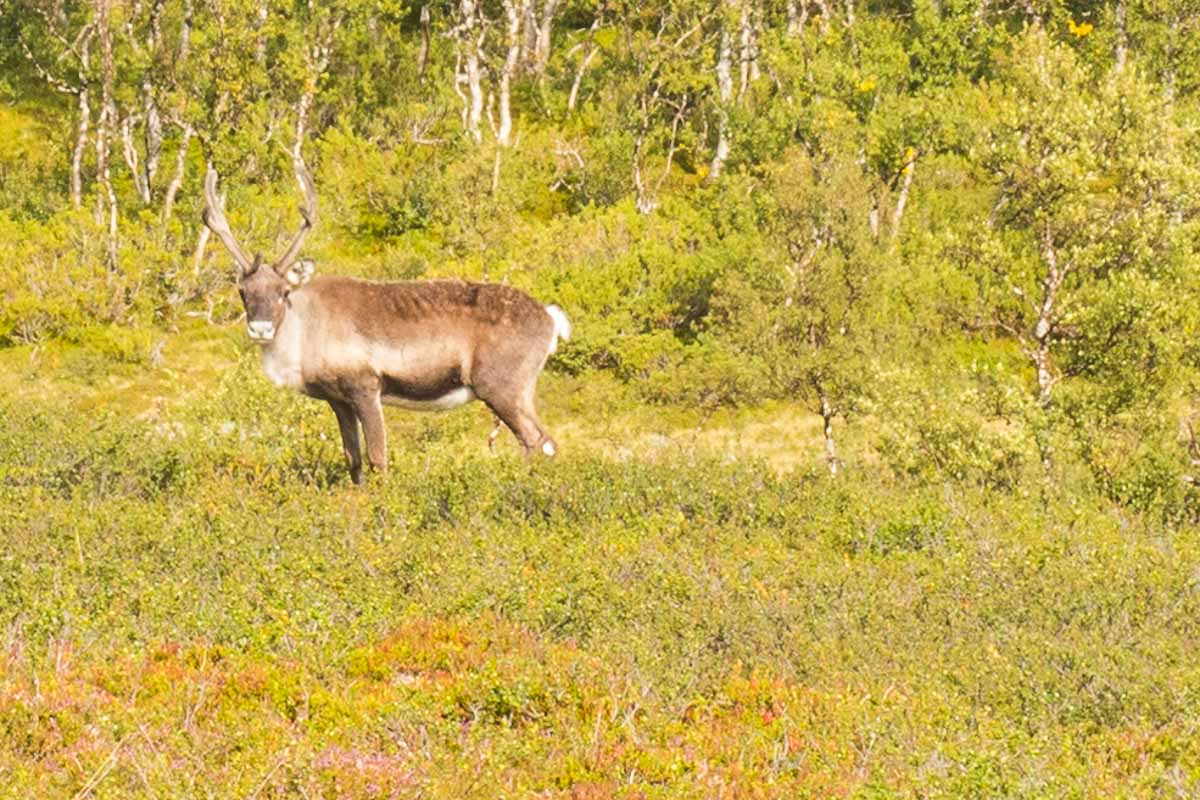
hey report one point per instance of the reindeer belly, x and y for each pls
(451, 399)
(423, 375)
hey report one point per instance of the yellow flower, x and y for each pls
(1079, 31)
(868, 84)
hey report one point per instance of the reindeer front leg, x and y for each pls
(348, 426)
(370, 413)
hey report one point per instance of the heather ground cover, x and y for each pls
(197, 602)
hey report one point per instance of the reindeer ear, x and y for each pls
(301, 272)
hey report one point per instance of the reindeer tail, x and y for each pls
(562, 326)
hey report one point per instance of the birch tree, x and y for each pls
(804, 317)
(57, 44)
(1083, 249)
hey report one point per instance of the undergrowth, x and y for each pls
(198, 603)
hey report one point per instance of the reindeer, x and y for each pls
(424, 345)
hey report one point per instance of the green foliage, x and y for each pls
(799, 312)
(30, 173)
(975, 430)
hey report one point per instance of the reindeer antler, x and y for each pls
(308, 212)
(214, 218)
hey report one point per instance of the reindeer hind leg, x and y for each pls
(370, 414)
(506, 381)
(523, 422)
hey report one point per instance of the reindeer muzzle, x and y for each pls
(261, 331)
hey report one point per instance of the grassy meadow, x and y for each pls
(195, 602)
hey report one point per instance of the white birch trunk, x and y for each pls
(513, 13)
(472, 38)
(260, 47)
(544, 30)
(589, 54)
(725, 95)
(106, 199)
(203, 235)
(1056, 273)
(824, 6)
(827, 415)
(423, 53)
(1122, 44)
(153, 138)
(81, 139)
(748, 49)
(129, 150)
(902, 200)
(185, 31)
(797, 17)
(180, 168)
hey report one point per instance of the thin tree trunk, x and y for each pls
(473, 39)
(1045, 377)
(85, 119)
(725, 95)
(748, 49)
(544, 30)
(902, 200)
(83, 43)
(589, 53)
(201, 246)
(460, 78)
(202, 237)
(423, 52)
(529, 32)
(185, 31)
(317, 63)
(646, 197)
(104, 127)
(129, 149)
(153, 138)
(185, 34)
(797, 17)
(1047, 313)
(260, 45)
(513, 13)
(645, 204)
(302, 107)
(180, 168)
(1122, 44)
(827, 415)
(824, 6)
(152, 133)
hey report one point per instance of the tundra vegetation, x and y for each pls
(877, 470)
